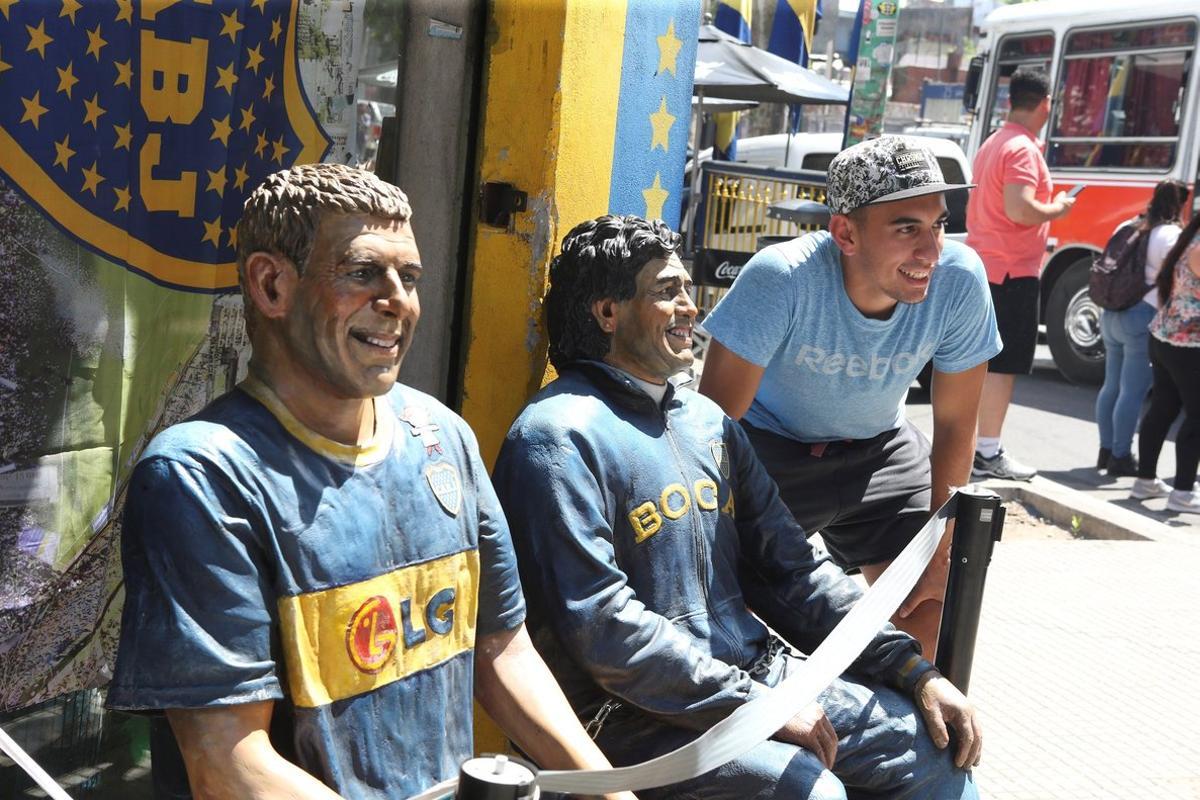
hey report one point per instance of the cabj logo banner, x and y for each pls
(140, 127)
(130, 135)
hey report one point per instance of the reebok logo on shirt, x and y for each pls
(874, 366)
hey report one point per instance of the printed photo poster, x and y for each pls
(875, 43)
(130, 135)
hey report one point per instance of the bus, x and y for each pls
(1126, 115)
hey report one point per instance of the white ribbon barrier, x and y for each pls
(738, 733)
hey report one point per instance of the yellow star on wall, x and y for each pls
(63, 152)
(93, 112)
(278, 150)
(122, 199)
(95, 43)
(227, 78)
(268, 87)
(124, 136)
(38, 38)
(239, 176)
(216, 181)
(230, 25)
(247, 118)
(4, 66)
(5, 5)
(660, 124)
(212, 232)
(276, 29)
(254, 58)
(262, 144)
(125, 11)
(261, 5)
(69, 7)
(66, 78)
(124, 73)
(33, 108)
(91, 179)
(655, 196)
(221, 130)
(232, 232)
(669, 46)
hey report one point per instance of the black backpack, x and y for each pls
(1118, 276)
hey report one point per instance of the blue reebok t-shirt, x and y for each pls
(832, 373)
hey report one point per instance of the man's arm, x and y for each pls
(730, 380)
(517, 690)
(228, 754)
(955, 400)
(1022, 206)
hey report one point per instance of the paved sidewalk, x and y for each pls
(1085, 671)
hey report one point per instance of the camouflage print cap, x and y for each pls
(882, 170)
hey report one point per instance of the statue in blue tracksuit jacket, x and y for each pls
(653, 547)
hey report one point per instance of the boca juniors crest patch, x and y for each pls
(447, 488)
(140, 127)
(720, 456)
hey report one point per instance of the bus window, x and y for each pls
(1033, 50)
(1121, 95)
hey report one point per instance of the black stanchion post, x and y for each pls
(977, 527)
(495, 778)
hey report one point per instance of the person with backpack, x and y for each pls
(1175, 356)
(1122, 283)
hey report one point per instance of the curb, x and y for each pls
(1088, 517)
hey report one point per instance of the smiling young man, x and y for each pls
(653, 547)
(317, 571)
(815, 347)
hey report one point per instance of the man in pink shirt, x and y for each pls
(1008, 221)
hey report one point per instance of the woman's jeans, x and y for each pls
(1127, 375)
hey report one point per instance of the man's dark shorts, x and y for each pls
(1016, 302)
(868, 498)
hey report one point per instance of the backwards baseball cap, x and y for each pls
(882, 170)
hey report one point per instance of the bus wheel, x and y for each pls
(1073, 327)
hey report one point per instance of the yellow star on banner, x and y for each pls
(63, 152)
(268, 87)
(262, 144)
(278, 151)
(66, 78)
(669, 46)
(33, 109)
(69, 7)
(125, 11)
(232, 236)
(221, 130)
(122, 199)
(660, 124)
(261, 5)
(5, 5)
(93, 112)
(655, 196)
(212, 232)
(38, 38)
(254, 58)
(4, 66)
(227, 78)
(247, 118)
(124, 136)
(124, 73)
(276, 29)
(91, 180)
(230, 25)
(239, 176)
(216, 181)
(95, 42)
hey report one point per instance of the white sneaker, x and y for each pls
(1184, 502)
(1145, 488)
(1001, 465)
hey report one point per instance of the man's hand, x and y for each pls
(813, 731)
(1064, 202)
(932, 583)
(945, 708)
